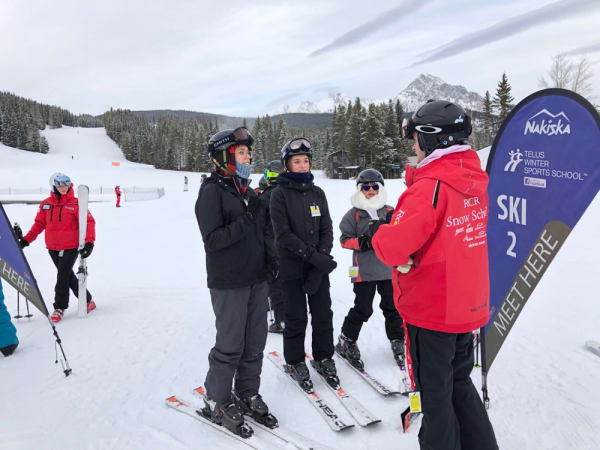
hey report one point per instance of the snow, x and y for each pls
(150, 335)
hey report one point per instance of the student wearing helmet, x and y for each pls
(58, 215)
(367, 273)
(441, 279)
(303, 239)
(274, 168)
(232, 224)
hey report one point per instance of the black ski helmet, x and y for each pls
(369, 176)
(439, 124)
(296, 146)
(220, 143)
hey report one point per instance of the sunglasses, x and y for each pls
(367, 187)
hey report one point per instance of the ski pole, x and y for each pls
(18, 316)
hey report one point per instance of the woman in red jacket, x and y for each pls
(437, 242)
(59, 217)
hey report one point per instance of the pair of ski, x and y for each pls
(407, 417)
(335, 420)
(83, 196)
(257, 440)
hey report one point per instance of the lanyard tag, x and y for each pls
(315, 211)
(353, 271)
(414, 399)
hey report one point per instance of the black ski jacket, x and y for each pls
(301, 223)
(234, 241)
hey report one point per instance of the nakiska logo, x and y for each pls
(544, 122)
(515, 158)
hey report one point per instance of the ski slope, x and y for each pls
(150, 335)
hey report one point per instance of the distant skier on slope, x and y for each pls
(368, 274)
(232, 222)
(58, 215)
(8, 332)
(274, 168)
(304, 238)
(118, 194)
(441, 279)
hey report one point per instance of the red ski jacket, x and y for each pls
(441, 221)
(118, 191)
(59, 216)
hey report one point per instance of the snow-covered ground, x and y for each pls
(150, 336)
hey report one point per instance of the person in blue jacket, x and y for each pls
(8, 332)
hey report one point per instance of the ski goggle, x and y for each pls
(298, 144)
(62, 180)
(270, 174)
(367, 187)
(240, 136)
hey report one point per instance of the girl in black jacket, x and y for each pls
(303, 239)
(232, 223)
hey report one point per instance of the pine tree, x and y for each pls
(503, 99)
(488, 120)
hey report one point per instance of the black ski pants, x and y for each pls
(296, 320)
(454, 417)
(363, 309)
(276, 298)
(64, 260)
(241, 322)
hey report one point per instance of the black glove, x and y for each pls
(324, 263)
(312, 282)
(389, 215)
(374, 226)
(364, 243)
(23, 243)
(18, 231)
(86, 250)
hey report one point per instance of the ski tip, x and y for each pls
(274, 353)
(172, 400)
(200, 390)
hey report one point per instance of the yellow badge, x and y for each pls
(353, 271)
(414, 399)
(315, 211)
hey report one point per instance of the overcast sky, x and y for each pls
(248, 58)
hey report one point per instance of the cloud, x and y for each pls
(326, 89)
(283, 98)
(583, 50)
(382, 20)
(552, 12)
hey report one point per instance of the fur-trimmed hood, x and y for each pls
(376, 202)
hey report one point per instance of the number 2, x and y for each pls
(509, 251)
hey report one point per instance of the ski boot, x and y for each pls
(299, 372)
(276, 327)
(256, 408)
(399, 352)
(348, 349)
(9, 349)
(227, 415)
(326, 368)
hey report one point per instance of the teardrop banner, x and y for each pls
(544, 169)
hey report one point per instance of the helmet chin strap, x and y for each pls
(225, 168)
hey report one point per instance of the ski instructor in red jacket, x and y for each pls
(59, 217)
(436, 242)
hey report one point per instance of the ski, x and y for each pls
(593, 346)
(181, 406)
(371, 380)
(362, 416)
(277, 432)
(405, 379)
(83, 194)
(408, 418)
(333, 419)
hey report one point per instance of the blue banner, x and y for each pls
(13, 265)
(544, 169)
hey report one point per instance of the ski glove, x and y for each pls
(86, 250)
(312, 282)
(23, 243)
(324, 263)
(364, 243)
